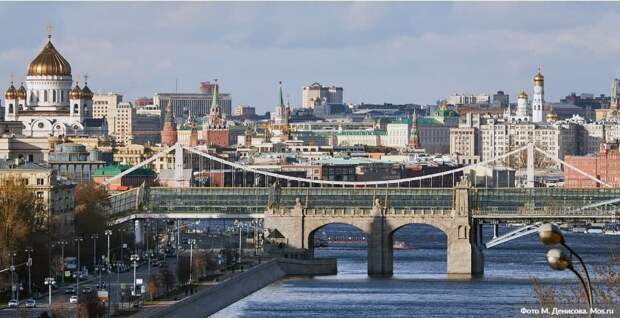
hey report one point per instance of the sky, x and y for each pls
(377, 51)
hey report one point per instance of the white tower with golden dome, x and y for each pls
(48, 105)
(522, 101)
(538, 102)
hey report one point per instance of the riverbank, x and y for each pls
(213, 299)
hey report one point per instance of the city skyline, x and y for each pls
(399, 53)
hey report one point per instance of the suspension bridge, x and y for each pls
(297, 206)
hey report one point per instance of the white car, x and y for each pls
(31, 303)
(13, 303)
(73, 300)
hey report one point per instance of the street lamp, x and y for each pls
(94, 237)
(12, 268)
(49, 281)
(29, 264)
(558, 259)
(239, 224)
(122, 231)
(108, 233)
(134, 258)
(77, 241)
(62, 258)
(191, 243)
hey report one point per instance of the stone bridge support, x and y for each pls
(464, 257)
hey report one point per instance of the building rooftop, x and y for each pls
(113, 170)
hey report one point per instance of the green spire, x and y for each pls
(214, 104)
(281, 98)
(169, 113)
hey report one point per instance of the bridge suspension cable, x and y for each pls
(178, 148)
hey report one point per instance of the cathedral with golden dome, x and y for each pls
(48, 103)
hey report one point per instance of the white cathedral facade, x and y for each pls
(47, 104)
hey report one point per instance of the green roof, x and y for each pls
(113, 170)
(361, 133)
(427, 121)
(446, 113)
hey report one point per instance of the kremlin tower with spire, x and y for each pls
(169, 130)
(215, 132)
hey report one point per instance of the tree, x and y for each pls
(91, 205)
(606, 292)
(166, 278)
(90, 306)
(183, 269)
(153, 285)
(20, 215)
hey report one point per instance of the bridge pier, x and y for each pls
(380, 249)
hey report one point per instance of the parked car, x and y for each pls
(69, 290)
(31, 303)
(87, 290)
(73, 300)
(13, 303)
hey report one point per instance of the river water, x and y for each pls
(420, 286)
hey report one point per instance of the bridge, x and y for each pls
(378, 208)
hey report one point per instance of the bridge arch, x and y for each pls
(418, 242)
(312, 227)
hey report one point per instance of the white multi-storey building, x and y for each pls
(317, 94)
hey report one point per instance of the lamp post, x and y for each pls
(62, 259)
(13, 287)
(108, 233)
(558, 259)
(239, 224)
(29, 264)
(49, 281)
(134, 258)
(191, 243)
(121, 231)
(77, 240)
(94, 237)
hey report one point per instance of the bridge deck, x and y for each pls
(491, 203)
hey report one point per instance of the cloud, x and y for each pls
(379, 52)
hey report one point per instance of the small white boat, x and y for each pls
(400, 245)
(594, 230)
(612, 232)
(579, 229)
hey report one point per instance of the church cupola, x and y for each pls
(11, 92)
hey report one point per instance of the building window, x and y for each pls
(54, 96)
(45, 96)
(40, 181)
(39, 195)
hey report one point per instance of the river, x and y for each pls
(420, 286)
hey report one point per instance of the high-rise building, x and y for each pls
(104, 106)
(207, 87)
(317, 94)
(538, 102)
(130, 127)
(198, 105)
(500, 99)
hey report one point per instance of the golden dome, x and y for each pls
(523, 94)
(49, 62)
(21, 92)
(539, 77)
(11, 92)
(86, 92)
(552, 116)
(76, 92)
